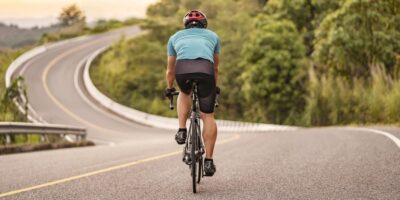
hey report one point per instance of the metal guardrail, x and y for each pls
(159, 121)
(16, 128)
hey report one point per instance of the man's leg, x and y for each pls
(209, 133)
(183, 108)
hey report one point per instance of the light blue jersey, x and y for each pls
(194, 43)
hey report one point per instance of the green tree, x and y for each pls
(362, 33)
(274, 80)
(71, 15)
(306, 14)
(232, 20)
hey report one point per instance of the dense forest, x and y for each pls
(297, 62)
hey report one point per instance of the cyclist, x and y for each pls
(193, 54)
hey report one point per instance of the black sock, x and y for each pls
(208, 159)
(182, 129)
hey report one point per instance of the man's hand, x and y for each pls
(169, 92)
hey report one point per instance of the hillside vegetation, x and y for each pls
(12, 36)
(302, 62)
(71, 23)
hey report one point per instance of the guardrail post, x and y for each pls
(8, 139)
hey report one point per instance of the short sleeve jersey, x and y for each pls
(194, 43)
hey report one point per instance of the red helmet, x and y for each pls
(193, 17)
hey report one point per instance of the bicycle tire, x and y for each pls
(199, 142)
(193, 154)
(199, 175)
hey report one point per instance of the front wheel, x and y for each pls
(193, 155)
(200, 174)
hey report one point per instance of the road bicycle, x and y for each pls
(194, 146)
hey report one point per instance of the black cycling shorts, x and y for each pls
(202, 71)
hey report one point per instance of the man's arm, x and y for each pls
(170, 75)
(216, 62)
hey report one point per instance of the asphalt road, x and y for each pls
(132, 161)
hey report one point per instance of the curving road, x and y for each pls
(133, 161)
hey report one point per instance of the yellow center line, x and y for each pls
(55, 100)
(129, 164)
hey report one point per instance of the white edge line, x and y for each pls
(78, 89)
(36, 118)
(80, 92)
(386, 134)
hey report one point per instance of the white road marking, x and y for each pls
(22, 71)
(83, 96)
(386, 134)
(78, 89)
(36, 117)
(56, 101)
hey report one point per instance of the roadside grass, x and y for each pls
(106, 25)
(135, 81)
(35, 142)
(339, 101)
(8, 112)
(21, 139)
(20, 148)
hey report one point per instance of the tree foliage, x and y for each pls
(306, 14)
(274, 79)
(71, 15)
(362, 33)
(71, 24)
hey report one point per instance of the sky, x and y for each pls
(29, 13)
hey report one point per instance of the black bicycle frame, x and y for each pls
(195, 121)
(195, 117)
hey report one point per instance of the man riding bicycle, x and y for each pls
(193, 55)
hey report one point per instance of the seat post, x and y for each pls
(194, 96)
